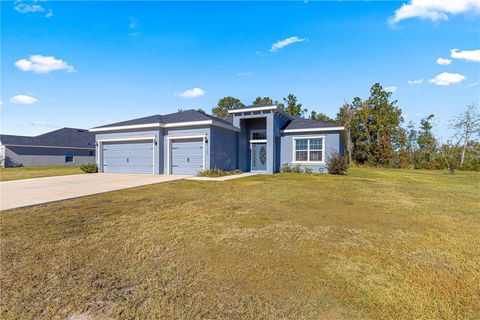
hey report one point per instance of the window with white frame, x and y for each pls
(309, 149)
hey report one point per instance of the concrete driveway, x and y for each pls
(27, 192)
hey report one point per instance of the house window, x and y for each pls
(258, 134)
(69, 156)
(309, 149)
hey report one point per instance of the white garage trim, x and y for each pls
(102, 141)
(169, 147)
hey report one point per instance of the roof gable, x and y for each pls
(65, 137)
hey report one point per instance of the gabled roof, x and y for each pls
(65, 137)
(300, 123)
(171, 118)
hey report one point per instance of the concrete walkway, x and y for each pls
(224, 178)
(28, 192)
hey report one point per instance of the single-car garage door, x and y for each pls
(128, 157)
(187, 156)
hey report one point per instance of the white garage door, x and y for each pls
(187, 156)
(128, 157)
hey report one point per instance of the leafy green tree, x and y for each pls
(292, 107)
(426, 144)
(345, 117)
(322, 117)
(411, 142)
(224, 105)
(264, 100)
(199, 110)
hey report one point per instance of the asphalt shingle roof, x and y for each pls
(65, 137)
(181, 116)
(300, 123)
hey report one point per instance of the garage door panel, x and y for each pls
(132, 157)
(187, 156)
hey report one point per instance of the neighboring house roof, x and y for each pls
(177, 117)
(65, 137)
(300, 123)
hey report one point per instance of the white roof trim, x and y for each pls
(313, 129)
(127, 139)
(167, 125)
(54, 147)
(128, 127)
(253, 109)
(195, 136)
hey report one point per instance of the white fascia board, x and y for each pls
(167, 125)
(253, 109)
(127, 139)
(52, 147)
(193, 136)
(134, 126)
(313, 129)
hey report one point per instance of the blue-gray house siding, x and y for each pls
(190, 141)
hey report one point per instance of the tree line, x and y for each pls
(375, 133)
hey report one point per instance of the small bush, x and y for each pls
(307, 170)
(89, 168)
(288, 168)
(337, 164)
(212, 173)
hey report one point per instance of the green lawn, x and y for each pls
(7, 174)
(376, 244)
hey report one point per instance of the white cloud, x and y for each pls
(1, 102)
(192, 93)
(133, 26)
(475, 84)
(418, 81)
(285, 42)
(472, 55)
(391, 89)
(43, 64)
(27, 8)
(244, 74)
(49, 13)
(434, 10)
(444, 61)
(23, 99)
(446, 79)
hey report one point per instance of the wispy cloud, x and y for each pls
(286, 42)
(446, 79)
(468, 55)
(23, 99)
(133, 26)
(434, 10)
(391, 89)
(49, 14)
(244, 74)
(418, 81)
(25, 8)
(444, 61)
(28, 8)
(43, 64)
(192, 93)
(43, 124)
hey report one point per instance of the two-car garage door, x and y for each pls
(128, 157)
(186, 156)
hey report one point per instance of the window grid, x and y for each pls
(314, 146)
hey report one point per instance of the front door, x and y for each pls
(259, 157)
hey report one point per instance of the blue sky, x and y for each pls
(91, 63)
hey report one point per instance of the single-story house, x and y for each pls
(260, 138)
(62, 147)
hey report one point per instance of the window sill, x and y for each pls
(308, 162)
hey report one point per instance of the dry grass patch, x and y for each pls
(377, 244)
(7, 174)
